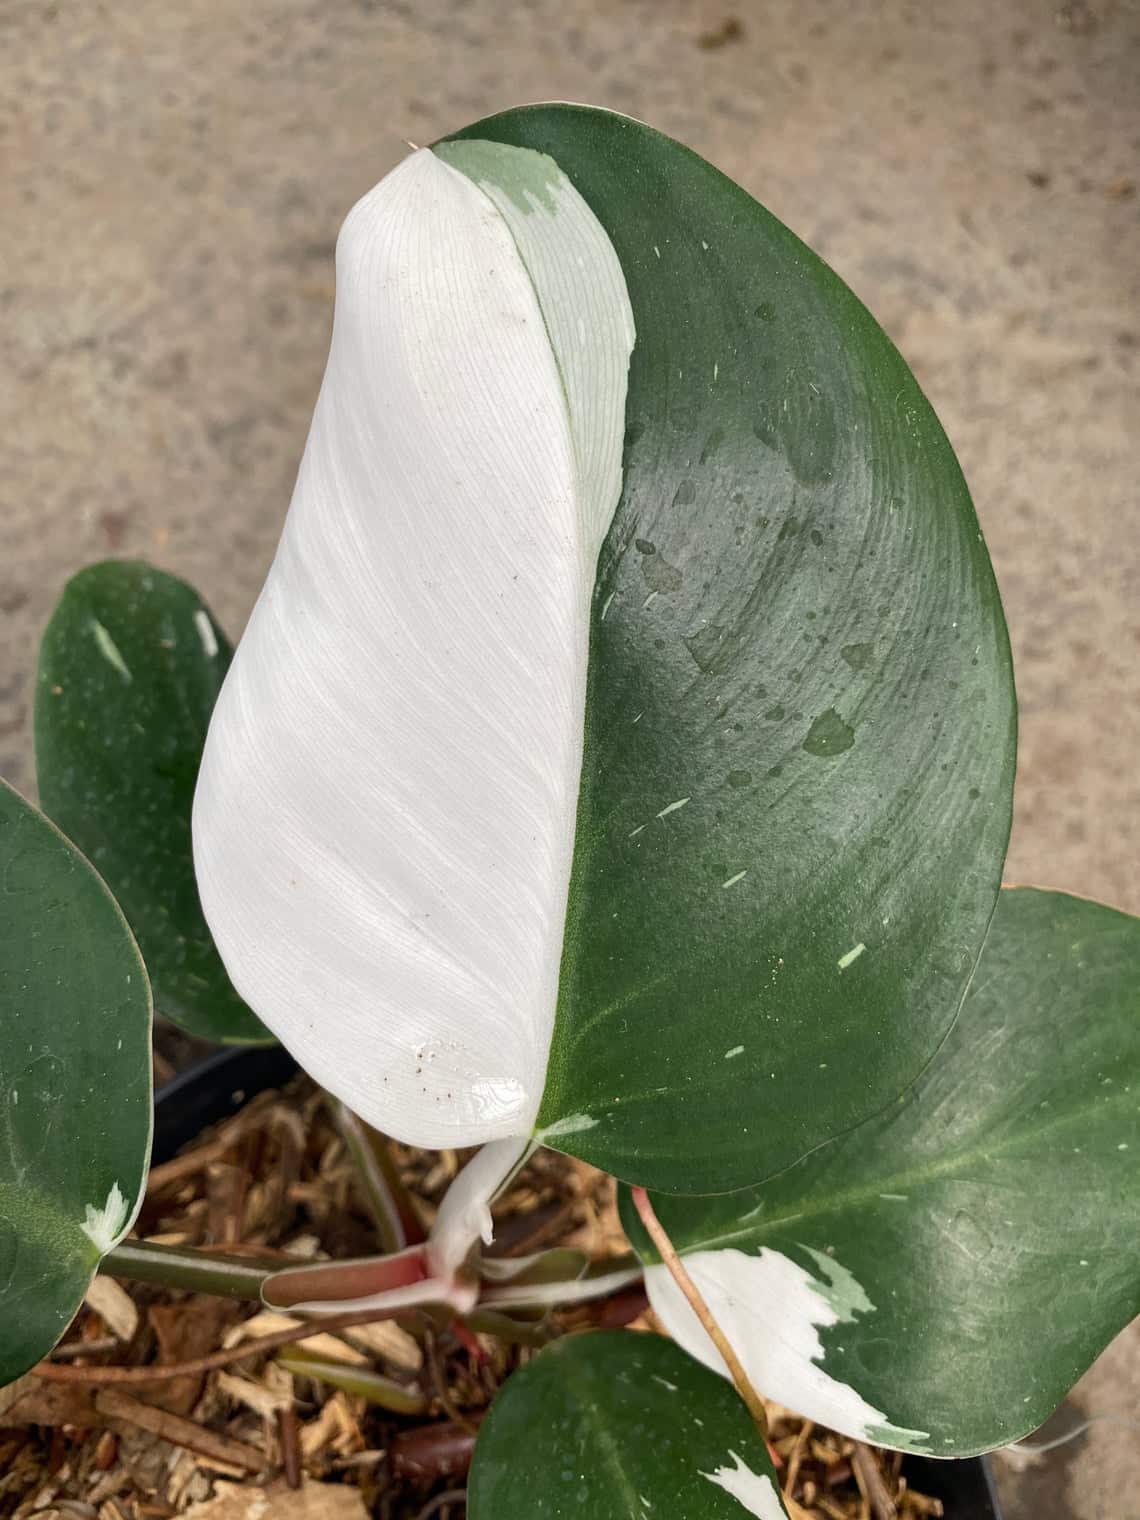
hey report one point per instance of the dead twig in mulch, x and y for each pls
(441, 1502)
(215, 1359)
(290, 1446)
(84, 1348)
(795, 1456)
(180, 1432)
(440, 1380)
(871, 1484)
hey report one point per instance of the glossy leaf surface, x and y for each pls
(614, 1425)
(938, 1279)
(799, 751)
(75, 1081)
(130, 667)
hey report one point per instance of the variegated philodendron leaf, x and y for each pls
(613, 1425)
(130, 667)
(75, 1075)
(626, 727)
(938, 1279)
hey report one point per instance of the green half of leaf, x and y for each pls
(130, 667)
(799, 729)
(75, 1080)
(619, 1426)
(938, 1279)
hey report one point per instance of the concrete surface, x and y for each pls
(174, 173)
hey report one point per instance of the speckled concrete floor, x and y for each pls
(175, 171)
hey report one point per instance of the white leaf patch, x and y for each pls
(110, 650)
(385, 813)
(755, 1491)
(104, 1227)
(771, 1310)
(206, 635)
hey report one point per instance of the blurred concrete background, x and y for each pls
(173, 175)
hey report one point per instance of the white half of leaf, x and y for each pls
(384, 819)
(771, 1310)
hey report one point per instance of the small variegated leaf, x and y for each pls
(616, 1425)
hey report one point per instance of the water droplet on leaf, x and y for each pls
(829, 735)
(858, 656)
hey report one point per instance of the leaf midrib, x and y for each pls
(915, 1177)
(611, 1451)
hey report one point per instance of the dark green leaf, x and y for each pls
(799, 741)
(75, 1099)
(130, 667)
(977, 1242)
(619, 1426)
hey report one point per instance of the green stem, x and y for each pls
(183, 1267)
(383, 1391)
(512, 1332)
(397, 1223)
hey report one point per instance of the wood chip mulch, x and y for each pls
(263, 1439)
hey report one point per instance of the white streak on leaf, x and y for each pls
(851, 957)
(737, 1050)
(755, 1491)
(673, 807)
(109, 649)
(206, 634)
(732, 880)
(573, 1124)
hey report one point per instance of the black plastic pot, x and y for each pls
(212, 1090)
(218, 1086)
(966, 1488)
